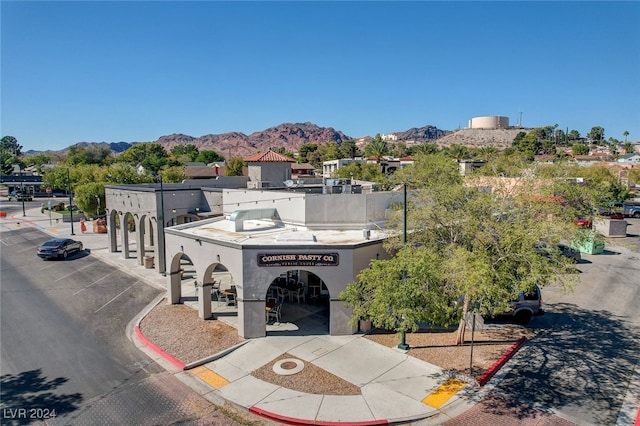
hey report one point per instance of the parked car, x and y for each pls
(631, 209)
(583, 222)
(568, 251)
(560, 248)
(19, 196)
(57, 248)
(528, 305)
(613, 209)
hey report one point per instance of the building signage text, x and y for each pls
(298, 259)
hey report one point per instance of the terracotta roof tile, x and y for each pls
(269, 157)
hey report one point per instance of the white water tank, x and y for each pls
(489, 122)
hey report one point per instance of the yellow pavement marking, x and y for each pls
(438, 397)
(209, 377)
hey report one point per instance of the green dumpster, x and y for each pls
(591, 243)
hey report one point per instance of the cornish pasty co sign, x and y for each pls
(298, 259)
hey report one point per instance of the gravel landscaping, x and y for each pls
(181, 333)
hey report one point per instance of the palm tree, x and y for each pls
(377, 148)
(625, 134)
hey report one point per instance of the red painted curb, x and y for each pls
(501, 361)
(159, 351)
(294, 421)
(637, 423)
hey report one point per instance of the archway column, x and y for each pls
(204, 300)
(124, 236)
(339, 318)
(140, 227)
(174, 287)
(251, 318)
(112, 231)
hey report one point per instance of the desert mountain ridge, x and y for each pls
(291, 136)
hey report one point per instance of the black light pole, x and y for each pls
(403, 335)
(163, 269)
(70, 200)
(22, 189)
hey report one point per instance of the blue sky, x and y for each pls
(134, 71)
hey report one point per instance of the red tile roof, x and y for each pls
(269, 157)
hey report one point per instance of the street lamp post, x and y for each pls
(403, 334)
(70, 199)
(161, 255)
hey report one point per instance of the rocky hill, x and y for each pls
(291, 136)
(235, 144)
(499, 138)
(422, 134)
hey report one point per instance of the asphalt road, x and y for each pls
(583, 367)
(64, 349)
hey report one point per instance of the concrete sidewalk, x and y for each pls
(395, 387)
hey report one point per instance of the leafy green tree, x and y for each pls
(10, 144)
(283, 151)
(574, 135)
(173, 174)
(370, 172)
(528, 144)
(377, 148)
(580, 149)
(596, 134)
(401, 293)
(185, 153)
(547, 147)
(234, 167)
(10, 153)
(209, 156)
(123, 173)
(329, 151)
(349, 149)
(90, 198)
(399, 150)
(38, 161)
(628, 148)
(484, 244)
(151, 155)
(94, 154)
(304, 151)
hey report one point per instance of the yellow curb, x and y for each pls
(209, 377)
(445, 391)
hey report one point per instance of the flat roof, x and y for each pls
(267, 232)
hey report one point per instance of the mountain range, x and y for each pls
(290, 136)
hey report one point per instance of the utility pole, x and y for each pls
(70, 199)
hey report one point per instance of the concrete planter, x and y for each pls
(65, 218)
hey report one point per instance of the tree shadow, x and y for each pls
(579, 358)
(28, 396)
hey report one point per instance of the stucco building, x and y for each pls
(256, 243)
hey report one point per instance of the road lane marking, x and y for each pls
(71, 273)
(118, 295)
(93, 283)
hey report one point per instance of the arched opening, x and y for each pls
(297, 303)
(224, 293)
